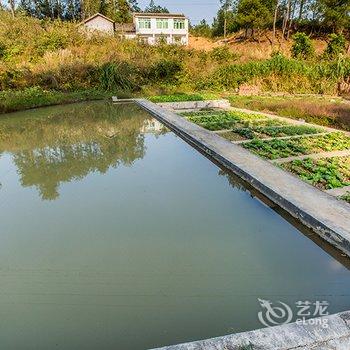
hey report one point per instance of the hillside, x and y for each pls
(257, 49)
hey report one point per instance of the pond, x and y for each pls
(116, 234)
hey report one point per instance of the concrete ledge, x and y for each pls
(194, 105)
(321, 212)
(291, 336)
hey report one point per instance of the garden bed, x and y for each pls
(277, 148)
(219, 120)
(262, 132)
(325, 173)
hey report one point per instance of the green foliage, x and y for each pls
(219, 21)
(335, 47)
(153, 8)
(165, 70)
(334, 14)
(2, 50)
(222, 54)
(17, 100)
(346, 197)
(176, 98)
(277, 148)
(254, 14)
(222, 120)
(323, 173)
(201, 29)
(119, 76)
(261, 132)
(302, 46)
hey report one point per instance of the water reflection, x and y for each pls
(62, 144)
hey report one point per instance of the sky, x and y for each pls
(196, 10)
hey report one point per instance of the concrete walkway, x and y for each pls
(293, 336)
(321, 212)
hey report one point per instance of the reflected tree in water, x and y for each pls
(67, 143)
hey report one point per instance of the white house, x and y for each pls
(155, 27)
(100, 23)
(150, 28)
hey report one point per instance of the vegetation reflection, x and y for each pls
(61, 144)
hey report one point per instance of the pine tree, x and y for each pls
(134, 6)
(153, 8)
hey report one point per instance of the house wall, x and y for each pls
(171, 35)
(100, 24)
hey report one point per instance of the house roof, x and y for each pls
(162, 14)
(97, 15)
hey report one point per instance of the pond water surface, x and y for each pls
(116, 234)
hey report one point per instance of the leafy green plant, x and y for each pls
(336, 46)
(277, 148)
(222, 54)
(346, 197)
(221, 120)
(165, 69)
(116, 76)
(176, 98)
(322, 173)
(302, 46)
(275, 131)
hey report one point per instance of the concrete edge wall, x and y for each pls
(329, 218)
(310, 335)
(193, 105)
(321, 212)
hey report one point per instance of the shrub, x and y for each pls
(336, 46)
(165, 70)
(222, 54)
(302, 46)
(2, 50)
(119, 76)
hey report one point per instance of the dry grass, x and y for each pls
(327, 111)
(257, 49)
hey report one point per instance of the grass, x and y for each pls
(277, 148)
(55, 56)
(325, 111)
(11, 101)
(323, 173)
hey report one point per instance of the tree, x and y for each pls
(202, 29)
(134, 6)
(219, 23)
(336, 46)
(123, 14)
(153, 8)
(12, 7)
(302, 47)
(253, 14)
(335, 13)
(226, 5)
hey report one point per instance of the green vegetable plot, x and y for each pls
(276, 148)
(323, 173)
(221, 120)
(275, 131)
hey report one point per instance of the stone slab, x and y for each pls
(335, 336)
